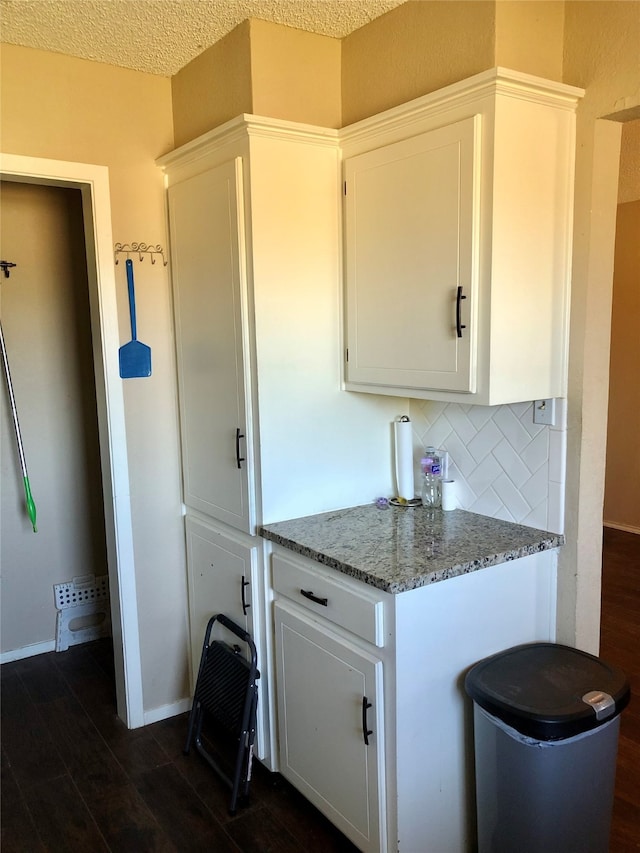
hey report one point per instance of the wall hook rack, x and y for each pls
(139, 249)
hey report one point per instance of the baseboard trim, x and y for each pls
(28, 651)
(627, 528)
(166, 711)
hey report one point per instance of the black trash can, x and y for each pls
(546, 723)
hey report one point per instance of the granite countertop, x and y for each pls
(399, 548)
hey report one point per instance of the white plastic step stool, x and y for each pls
(85, 598)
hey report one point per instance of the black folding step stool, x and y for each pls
(227, 692)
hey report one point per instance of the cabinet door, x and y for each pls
(323, 681)
(221, 573)
(411, 238)
(206, 226)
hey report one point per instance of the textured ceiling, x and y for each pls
(162, 36)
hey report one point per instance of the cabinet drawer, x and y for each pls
(356, 610)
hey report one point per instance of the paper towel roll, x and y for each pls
(404, 458)
(449, 501)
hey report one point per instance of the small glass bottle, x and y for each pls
(431, 477)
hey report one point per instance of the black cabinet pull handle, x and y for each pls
(308, 594)
(459, 298)
(365, 731)
(239, 458)
(245, 606)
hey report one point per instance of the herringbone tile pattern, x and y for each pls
(504, 465)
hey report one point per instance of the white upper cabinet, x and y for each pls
(457, 225)
(411, 240)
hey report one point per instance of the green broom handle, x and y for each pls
(31, 507)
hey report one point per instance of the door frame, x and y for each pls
(93, 183)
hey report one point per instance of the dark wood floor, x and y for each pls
(74, 779)
(620, 645)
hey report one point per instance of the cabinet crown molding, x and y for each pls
(495, 81)
(243, 126)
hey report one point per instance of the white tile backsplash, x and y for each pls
(536, 454)
(484, 441)
(514, 500)
(507, 456)
(557, 456)
(556, 506)
(464, 426)
(536, 490)
(504, 465)
(484, 475)
(479, 415)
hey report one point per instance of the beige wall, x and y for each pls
(622, 480)
(422, 46)
(629, 183)
(414, 49)
(529, 36)
(259, 68)
(295, 75)
(55, 106)
(45, 320)
(214, 87)
(601, 55)
(622, 494)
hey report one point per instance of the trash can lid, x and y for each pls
(548, 691)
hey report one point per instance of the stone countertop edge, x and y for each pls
(399, 549)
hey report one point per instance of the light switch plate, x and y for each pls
(544, 412)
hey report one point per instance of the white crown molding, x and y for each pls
(295, 131)
(247, 125)
(495, 81)
(230, 131)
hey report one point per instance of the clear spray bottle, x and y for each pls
(431, 478)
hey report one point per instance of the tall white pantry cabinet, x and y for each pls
(267, 432)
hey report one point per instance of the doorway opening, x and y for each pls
(91, 186)
(620, 596)
(622, 472)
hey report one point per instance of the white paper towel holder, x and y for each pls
(404, 459)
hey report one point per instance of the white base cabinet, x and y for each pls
(223, 567)
(222, 576)
(331, 711)
(410, 790)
